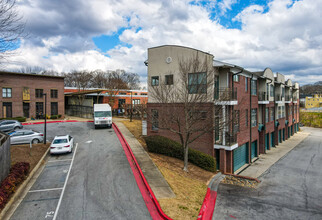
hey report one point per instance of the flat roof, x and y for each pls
(30, 74)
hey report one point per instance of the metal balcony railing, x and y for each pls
(225, 94)
(288, 98)
(263, 96)
(278, 97)
(229, 138)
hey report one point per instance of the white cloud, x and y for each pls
(287, 38)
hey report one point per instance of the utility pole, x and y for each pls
(131, 108)
(45, 125)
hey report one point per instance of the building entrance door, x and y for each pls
(7, 110)
(25, 108)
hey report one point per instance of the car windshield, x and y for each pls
(103, 114)
(60, 141)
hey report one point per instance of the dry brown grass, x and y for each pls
(190, 188)
(23, 153)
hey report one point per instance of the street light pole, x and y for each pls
(45, 125)
(131, 108)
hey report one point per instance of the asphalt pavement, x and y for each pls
(290, 189)
(93, 182)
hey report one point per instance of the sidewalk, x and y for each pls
(67, 118)
(265, 161)
(158, 184)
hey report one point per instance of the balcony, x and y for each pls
(278, 98)
(228, 140)
(263, 98)
(225, 96)
(288, 98)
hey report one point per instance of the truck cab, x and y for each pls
(102, 115)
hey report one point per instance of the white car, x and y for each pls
(62, 144)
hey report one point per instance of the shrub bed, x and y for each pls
(168, 147)
(20, 119)
(18, 173)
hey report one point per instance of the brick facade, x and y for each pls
(17, 82)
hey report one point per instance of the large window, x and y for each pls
(155, 119)
(246, 84)
(271, 90)
(154, 80)
(272, 114)
(54, 93)
(197, 83)
(169, 79)
(246, 117)
(54, 108)
(254, 117)
(254, 87)
(266, 115)
(236, 121)
(6, 93)
(39, 93)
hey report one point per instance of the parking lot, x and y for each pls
(93, 182)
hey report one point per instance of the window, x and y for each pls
(154, 80)
(283, 111)
(197, 83)
(121, 103)
(54, 93)
(54, 108)
(136, 101)
(39, 93)
(155, 120)
(6, 93)
(266, 115)
(272, 114)
(283, 91)
(144, 94)
(267, 90)
(236, 121)
(271, 91)
(254, 117)
(246, 117)
(246, 84)
(253, 87)
(169, 79)
(39, 109)
(236, 78)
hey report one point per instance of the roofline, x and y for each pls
(170, 45)
(30, 74)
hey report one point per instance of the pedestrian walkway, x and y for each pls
(67, 118)
(158, 184)
(265, 161)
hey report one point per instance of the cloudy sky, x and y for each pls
(285, 35)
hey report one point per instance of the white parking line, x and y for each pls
(62, 193)
(44, 190)
(51, 161)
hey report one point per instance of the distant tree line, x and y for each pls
(311, 89)
(82, 79)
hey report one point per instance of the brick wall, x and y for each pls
(17, 81)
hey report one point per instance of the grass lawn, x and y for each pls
(311, 119)
(190, 188)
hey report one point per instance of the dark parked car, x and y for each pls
(8, 125)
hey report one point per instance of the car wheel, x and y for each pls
(35, 141)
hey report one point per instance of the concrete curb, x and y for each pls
(155, 210)
(7, 212)
(244, 177)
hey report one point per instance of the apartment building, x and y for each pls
(250, 112)
(313, 102)
(23, 95)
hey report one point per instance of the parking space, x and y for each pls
(93, 182)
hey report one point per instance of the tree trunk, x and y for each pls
(185, 158)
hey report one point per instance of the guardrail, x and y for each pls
(225, 94)
(262, 96)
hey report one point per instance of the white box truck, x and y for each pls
(102, 115)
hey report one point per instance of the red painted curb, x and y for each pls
(48, 122)
(147, 194)
(208, 205)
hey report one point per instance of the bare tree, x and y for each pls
(11, 27)
(115, 83)
(189, 108)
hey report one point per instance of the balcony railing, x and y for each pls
(225, 94)
(278, 97)
(263, 96)
(288, 98)
(230, 139)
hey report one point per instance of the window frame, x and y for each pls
(37, 95)
(201, 86)
(253, 87)
(6, 89)
(54, 93)
(254, 117)
(155, 119)
(155, 81)
(168, 79)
